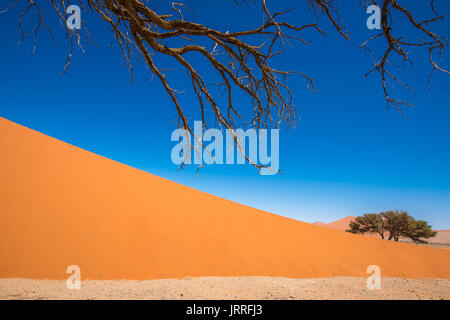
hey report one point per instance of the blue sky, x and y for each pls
(347, 156)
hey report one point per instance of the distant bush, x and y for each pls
(393, 224)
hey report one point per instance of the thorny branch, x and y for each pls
(241, 65)
(398, 46)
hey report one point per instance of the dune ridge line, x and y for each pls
(61, 205)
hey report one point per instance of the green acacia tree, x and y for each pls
(393, 225)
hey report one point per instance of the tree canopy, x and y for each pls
(392, 225)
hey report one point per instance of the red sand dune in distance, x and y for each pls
(61, 205)
(442, 236)
(341, 224)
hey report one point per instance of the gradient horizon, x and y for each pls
(347, 156)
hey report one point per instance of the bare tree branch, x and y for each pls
(397, 45)
(243, 59)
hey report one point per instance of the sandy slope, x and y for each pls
(61, 205)
(229, 288)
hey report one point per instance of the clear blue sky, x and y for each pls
(347, 155)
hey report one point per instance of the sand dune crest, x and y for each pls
(61, 205)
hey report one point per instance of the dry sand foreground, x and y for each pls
(260, 288)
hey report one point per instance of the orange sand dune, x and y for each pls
(61, 205)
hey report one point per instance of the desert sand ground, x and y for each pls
(251, 288)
